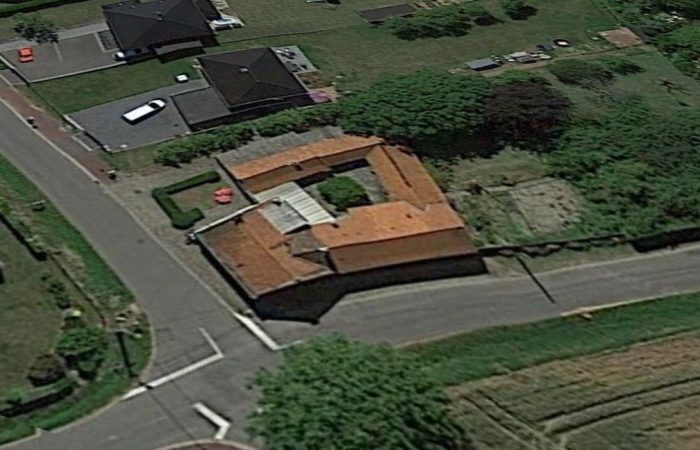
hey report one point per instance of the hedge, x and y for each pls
(37, 398)
(32, 5)
(228, 137)
(180, 219)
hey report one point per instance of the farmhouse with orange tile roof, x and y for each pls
(289, 237)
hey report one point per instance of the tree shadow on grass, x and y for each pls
(524, 13)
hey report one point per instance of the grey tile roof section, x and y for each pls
(200, 106)
(249, 76)
(148, 24)
(481, 64)
(299, 200)
(386, 12)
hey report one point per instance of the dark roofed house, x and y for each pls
(483, 64)
(377, 15)
(244, 84)
(156, 24)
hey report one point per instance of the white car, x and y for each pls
(225, 23)
(144, 111)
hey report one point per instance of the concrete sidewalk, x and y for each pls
(55, 132)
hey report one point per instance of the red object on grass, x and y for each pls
(223, 199)
(224, 191)
(26, 54)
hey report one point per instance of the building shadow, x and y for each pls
(310, 301)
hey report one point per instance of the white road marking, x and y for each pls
(217, 356)
(222, 424)
(257, 331)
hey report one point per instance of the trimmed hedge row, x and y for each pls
(32, 5)
(180, 219)
(40, 397)
(228, 137)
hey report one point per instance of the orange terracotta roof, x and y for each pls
(392, 233)
(258, 255)
(301, 162)
(417, 223)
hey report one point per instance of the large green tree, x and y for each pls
(526, 112)
(334, 394)
(418, 108)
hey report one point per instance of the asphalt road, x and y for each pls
(176, 303)
(429, 310)
(178, 306)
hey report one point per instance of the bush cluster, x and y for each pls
(451, 20)
(59, 293)
(343, 192)
(581, 72)
(46, 369)
(228, 137)
(82, 346)
(186, 149)
(180, 219)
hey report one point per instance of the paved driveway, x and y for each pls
(66, 57)
(105, 124)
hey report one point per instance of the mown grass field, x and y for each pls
(644, 397)
(349, 50)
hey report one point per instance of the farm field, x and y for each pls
(350, 51)
(643, 397)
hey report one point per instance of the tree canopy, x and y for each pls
(418, 107)
(343, 192)
(526, 112)
(687, 8)
(638, 169)
(451, 20)
(334, 394)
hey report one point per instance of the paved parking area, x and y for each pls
(66, 57)
(105, 124)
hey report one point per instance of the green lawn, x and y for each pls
(79, 92)
(352, 50)
(500, 350)
(64, 16)
(27, 315)
(29, 322)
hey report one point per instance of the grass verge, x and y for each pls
(501, 350)
(108, 295)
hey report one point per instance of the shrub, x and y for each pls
(479, 14)
(81, 342)
(228, 137)
(36, 28)
(180, 219)
(620, 66)
(343, 192)
(59, 294)
(452, 20)
(513, 8)
(46, 369)
(579, 72)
